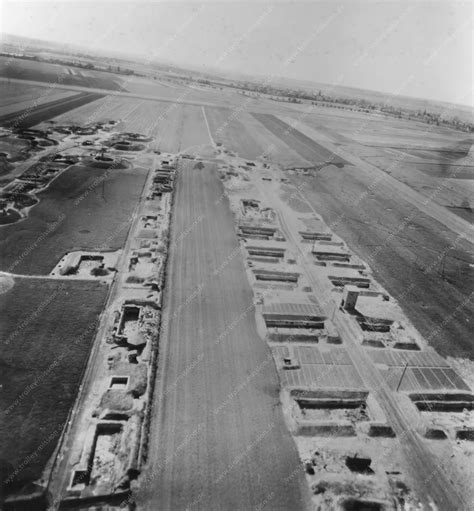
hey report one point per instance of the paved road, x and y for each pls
(218, 440)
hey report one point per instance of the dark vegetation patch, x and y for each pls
(83, 208)
(8, 216)
(45, 336)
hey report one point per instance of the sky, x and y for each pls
(414, 48)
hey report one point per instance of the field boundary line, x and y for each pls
(207, 126)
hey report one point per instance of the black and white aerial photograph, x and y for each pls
(236, 255)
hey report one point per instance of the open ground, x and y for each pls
(371, 188)
(46, 332)
(85, 208)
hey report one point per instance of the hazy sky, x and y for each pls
(422, 49)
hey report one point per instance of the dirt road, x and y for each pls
(218, 439)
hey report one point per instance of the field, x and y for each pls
(229, 131)
(388, 187)
(306, 147)
(45, 334)
(398, 101)
(54, 73)
(415, 258)
(434, 161)
(84, 208)
(21, 96)
(220, 441)
(416, 246)
(174, 127)
(32, 115)
(407, 264)
(242, 133)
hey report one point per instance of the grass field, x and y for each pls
(194, 138)
(55, 73)
(229, 130)
(45, 336)
(107, 108)
(19, 96)
(84, 208)
(160, 120)
(432, 160)
(242, 133)
(303, 145)
(174, 127)
(32, 115)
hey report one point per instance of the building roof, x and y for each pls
(292, 309)
(325, 248)
(280, 245)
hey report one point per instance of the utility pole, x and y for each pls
(401, 378)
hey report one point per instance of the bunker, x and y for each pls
(128, 323)
(371, 324)
(293, 315)
(350, 296)
(323, 251)
(361, 282)
(361, 505)
(315, 236)
(443, 402)
(277, 276)
(257, 232)
(266, 251)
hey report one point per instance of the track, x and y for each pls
(218, 439)
(31, 116)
